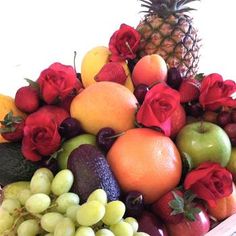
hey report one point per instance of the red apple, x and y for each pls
(199, 227)
(149, 70)
(150, 224)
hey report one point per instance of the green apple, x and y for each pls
(203, 141)
(232, 163)
(69, 145)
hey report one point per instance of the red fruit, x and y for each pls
(27, 99)
(189, 90)
(223, 118)
(233, 116)
(230, 129)
(112, 71)
(12, 128)
(199, 227)
(178, 120)
(170, 207)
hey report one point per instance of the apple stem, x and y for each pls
(202, 130)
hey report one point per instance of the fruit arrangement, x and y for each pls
(137, 143)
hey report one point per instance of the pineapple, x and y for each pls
(167, 30)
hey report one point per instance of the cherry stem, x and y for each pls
(115, 135)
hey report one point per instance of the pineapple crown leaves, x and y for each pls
(9, 121)
(165, 8)
(184, 205)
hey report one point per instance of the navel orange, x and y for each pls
(145, 160)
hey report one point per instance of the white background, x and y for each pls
(36, 33)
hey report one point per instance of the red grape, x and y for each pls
(174, 78)
(223, 118)
(194, 109)
(230, 129)
(140, 92)
(233, 116)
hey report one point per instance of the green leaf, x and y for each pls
(33, 83)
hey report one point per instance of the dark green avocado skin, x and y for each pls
(91, 171)
(13, 166)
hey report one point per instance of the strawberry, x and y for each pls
(175, 206)
(112, 71)
(189, 89)
(12, 127)
(27, 99)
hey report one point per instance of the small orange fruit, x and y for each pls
(105, 104)
(149, 70)
(147, 161)
(225, 207)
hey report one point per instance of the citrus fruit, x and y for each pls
(225, 207)
(105, 104)
(146, 161)
(149, 70)
(92, 63)
(7, 104)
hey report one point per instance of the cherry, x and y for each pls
(105, 138)
(223, 118)
(194, 109)
(70, 128)
(134, 204)
(174, 78)
(140, 92)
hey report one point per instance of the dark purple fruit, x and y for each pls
(105, 138)
(70, 128)
(230, 130)
(233, 116)
(151, 225)
(223, 118)
(132, 63)
(134, 204)
(174, 78)
(194, 109)
(50, 164)
(91, 171)
(140, 92)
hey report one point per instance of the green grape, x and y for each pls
(37, 203)
(65, 200)
(40, 183)
(24, 195)
(133, 222)
(104, 232)
(141, 234)
(50, 220)
(122, 228)
(72, 211)
(11, 205)
(62, 182)
(98, 195)
(64, 227)
(45, 171)
(90, 213)
(115, 211)
(28, 228)
(84, 231)
(6, 220)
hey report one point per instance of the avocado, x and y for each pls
(91, 171)
(13, 166)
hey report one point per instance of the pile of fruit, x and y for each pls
(138, 143)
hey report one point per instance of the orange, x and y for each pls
(7, 104)
(105, 104)
(149, 70)
(225, 207)
(145, 160)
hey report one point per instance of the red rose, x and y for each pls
(210, 182)
(124, 43)
(41, 137)
(215, 92)
(57, 82)
(159, 104)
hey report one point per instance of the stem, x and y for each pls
(201, 128)
(128, 46)
(115, 135)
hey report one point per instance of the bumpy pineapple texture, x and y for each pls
(168, 31)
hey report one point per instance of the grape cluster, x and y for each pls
(47, 208)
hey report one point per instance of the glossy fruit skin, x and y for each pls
(140, 92)
(231, 166)
(199, 227)
(151, 225)
(142, 159)
(162, 209)
(223, 118)
(70, 128)
(105, 104)
(194, 109)
(27, 99)
(204, 141)
(230, 129)
(15, 135)
(225, 207)
(149, 70)
(174, 78)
